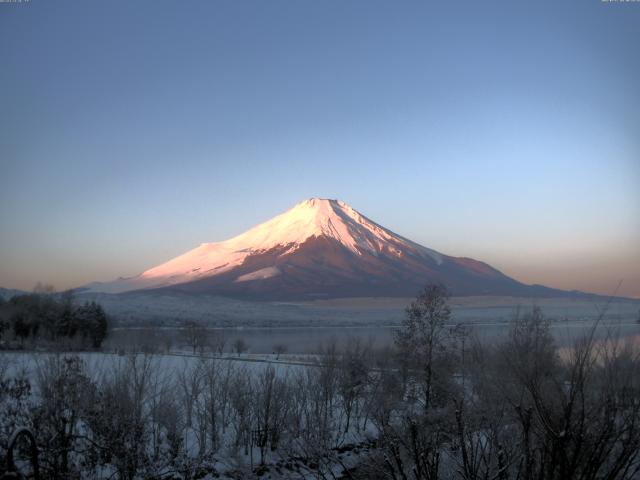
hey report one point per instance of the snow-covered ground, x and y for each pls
(155, 308)
(184, 380)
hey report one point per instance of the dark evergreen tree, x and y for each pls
(4, 327)
(21, 325)
(53, 318)
(92, 321)
(99, 324)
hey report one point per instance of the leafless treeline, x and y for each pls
(439, 405)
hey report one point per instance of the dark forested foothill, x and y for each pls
(46, 319)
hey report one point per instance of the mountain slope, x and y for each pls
(7, 293)
(319, 249)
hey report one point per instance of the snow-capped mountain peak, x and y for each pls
(312, 218)
(315, 217)
(319, 247)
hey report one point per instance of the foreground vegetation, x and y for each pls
(437, 405)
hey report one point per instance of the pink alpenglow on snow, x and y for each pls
(320, 248)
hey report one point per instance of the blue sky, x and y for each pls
(504, 131)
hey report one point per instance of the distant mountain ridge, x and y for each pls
(318, 249)
(9, 293)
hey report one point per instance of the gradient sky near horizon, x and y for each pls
(505, 131)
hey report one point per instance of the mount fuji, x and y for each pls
(318, 249)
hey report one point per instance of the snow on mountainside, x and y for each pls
(318, 249)
(315, 217)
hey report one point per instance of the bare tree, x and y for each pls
(241, 395)
(422, 340)
(279, 349)
(214, 403)
(353, 378)
(119, 418)
(270, 410)
(578, 417)
(415, 439)
(217, 342)
(190, 382)
(64, 391)
(44, 289)
(240, 346)
(194, 335)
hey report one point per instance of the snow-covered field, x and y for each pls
(173, 308)
(170, 364)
